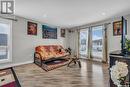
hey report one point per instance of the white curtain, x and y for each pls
(74, 42)
(105, 53)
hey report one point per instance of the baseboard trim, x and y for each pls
(16, 64)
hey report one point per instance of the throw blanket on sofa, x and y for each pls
(50, 52)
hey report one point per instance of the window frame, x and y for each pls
(92, 28)
(87, 41)
(9, 46)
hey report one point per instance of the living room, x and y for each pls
(64, 43)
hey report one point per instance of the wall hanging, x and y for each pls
(31, 28)
(62, 31)
(117, 28)
(49, 32)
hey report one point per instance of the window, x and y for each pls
(97, 42)
(5, 41)
(83, 51)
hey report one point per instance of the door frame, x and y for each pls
(9, 43)
(105, 42)
(86, 42)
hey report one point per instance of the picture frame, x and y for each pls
(62, 31)
(117, 28)
(31, 28)
(49, 32)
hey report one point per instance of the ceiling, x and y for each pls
(70, 13)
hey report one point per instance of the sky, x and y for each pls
(4, 28)
(96, 33)
(84, 34)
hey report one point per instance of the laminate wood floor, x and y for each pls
(92, 74)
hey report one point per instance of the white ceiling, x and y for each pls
(69, 13)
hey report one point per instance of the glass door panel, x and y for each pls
(83, 44)
(97, 42)
(4, 32)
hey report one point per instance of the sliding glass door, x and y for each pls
(91, 43)
(97, 42)
(83, 43)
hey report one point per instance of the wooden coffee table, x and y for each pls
(75, 60)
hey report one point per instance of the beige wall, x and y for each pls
(72, 41)
(23, 44)
(113, 41)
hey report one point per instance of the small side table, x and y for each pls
(75, 60)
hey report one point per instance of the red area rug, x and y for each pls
(8, 78)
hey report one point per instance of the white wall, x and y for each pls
(113, 41)
(72, 41)
(23, 44)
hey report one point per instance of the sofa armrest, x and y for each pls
(38, 58)
(37, 55)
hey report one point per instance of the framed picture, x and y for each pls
(32, 28)
(62, 32)
(49, 32)
(117, 28)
